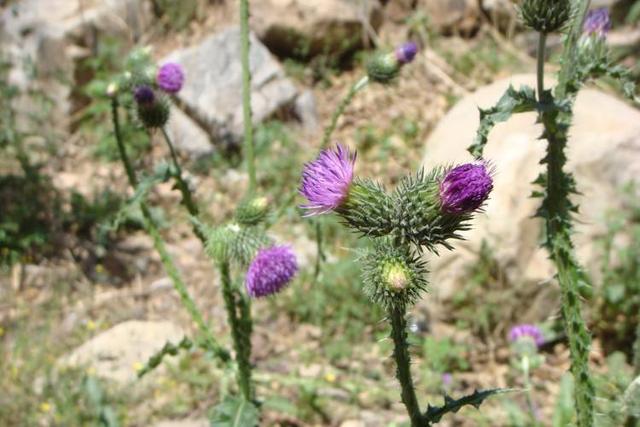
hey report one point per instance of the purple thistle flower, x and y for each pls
(326, 180)
(406, 52)
(270, 271)
(465, 188)
(526, 331)
(144, 95)
(597, 22)
(170, 77)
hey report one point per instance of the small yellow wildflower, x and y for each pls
(45, 407)
(138, 366)
(330, 377)
(91, 325)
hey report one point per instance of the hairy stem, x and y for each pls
(342, 106)
(183, 186)
(529, 390)
(238, 315)
(636, 351)
(542, 42)
(158, 242)
(403, 364)
(246, 94)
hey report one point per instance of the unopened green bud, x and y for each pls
(367, 208)
(383, 67)
(252, 211)
(396, 277)
(546, 16)
(219, 242)
(393, 276)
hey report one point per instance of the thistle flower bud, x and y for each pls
(153, 110)
(393, 276)
(546, 16)
(170, 77)
(235, 242)
(527, 332)
(465, 188)
(270, 271)
(433, 208)
(144, 95)
(597, 22)
(252, 211)
(383, 67)
(406, 52)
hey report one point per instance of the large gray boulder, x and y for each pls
(212, 94)
(54, 35)
(604, 155)
(303, 28)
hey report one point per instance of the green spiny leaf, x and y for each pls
(435, 413)
(512, 102)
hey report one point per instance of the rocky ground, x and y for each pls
(101, 311)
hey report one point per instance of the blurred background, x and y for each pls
(84, 301)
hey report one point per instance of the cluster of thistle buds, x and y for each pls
(425, 211)
(269, 267)
(150, 86)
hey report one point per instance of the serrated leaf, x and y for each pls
(235, 411)
(435, 413)
(512, 102)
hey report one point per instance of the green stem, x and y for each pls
(342, 106)
(529, 390)
(403, 364)
(240, 324)
(183, 186)
(158, 242)
(636, 351)
(246, 94)
(542, 42)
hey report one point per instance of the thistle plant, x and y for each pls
(525, 340)
(425, 211)
(585, 57)
(250, 263)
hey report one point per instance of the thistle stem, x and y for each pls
(246, 94)
(636, 352)
(527, 383)
(238, 313)
(542, 42)
(158, 242)
(183, 186)
(342, 106)
(403, 365)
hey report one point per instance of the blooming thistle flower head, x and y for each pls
(526, 331)
(326, 180)
(465, 188)
(406, 52)
(170, 77)
(144, 95)
(597, 22)
(270, 271)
